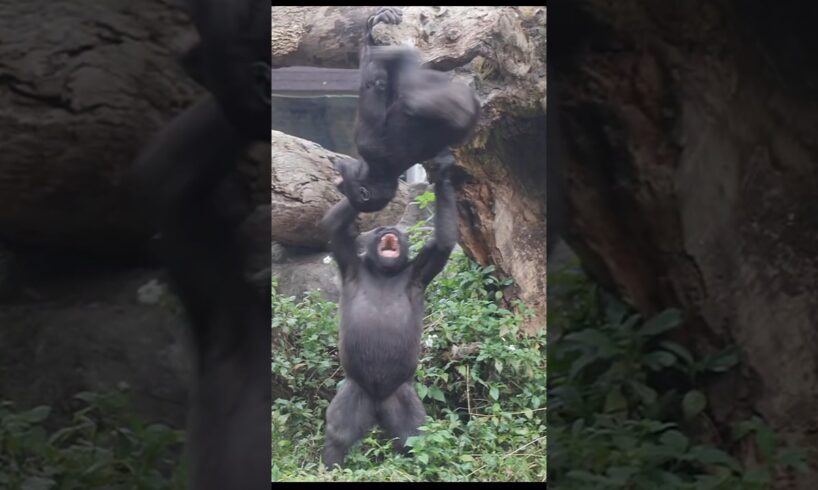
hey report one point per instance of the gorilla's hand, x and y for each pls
(386, 15)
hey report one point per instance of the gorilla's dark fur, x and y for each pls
(232, 60)
(382, 311)
(175, 181)
(406, 114)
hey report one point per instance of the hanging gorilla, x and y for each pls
(382, 311)
(175, 180)
(406, 114)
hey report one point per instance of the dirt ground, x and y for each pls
(77, 327)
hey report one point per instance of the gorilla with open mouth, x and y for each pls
(382, 311)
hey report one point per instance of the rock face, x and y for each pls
(298, 273)
(70, 334)
(79, 99)
(693, 183)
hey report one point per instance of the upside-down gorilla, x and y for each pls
(175, 180)
(382, 311)
(406, 115)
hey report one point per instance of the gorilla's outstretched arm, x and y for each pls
(432, 258)
(337, 223)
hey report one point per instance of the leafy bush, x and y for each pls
(103, 447)
(485, 400)
(611, 427)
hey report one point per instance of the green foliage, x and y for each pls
(486, 401)
(103, 447)
(425, 199)
(611, 427)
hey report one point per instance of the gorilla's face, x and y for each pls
(388, 249)
(365, 195)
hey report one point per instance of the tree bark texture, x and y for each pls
(690, 130)
(83, 85)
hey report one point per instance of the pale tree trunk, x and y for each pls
(501, 52)
(690, 130)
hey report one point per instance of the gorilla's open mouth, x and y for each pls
(388, 246)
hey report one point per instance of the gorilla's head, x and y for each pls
(365, 193)
(388, 249)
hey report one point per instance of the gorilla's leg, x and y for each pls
(401, 414)
(431, 94)
(349, 417)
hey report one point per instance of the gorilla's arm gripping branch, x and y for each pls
(337, 223)
(431, 260)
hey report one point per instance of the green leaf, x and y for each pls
(466, 458)
(664, 321)
(494, 393)
(758, 475)
(624, 441)
(677, 349)
(621, 474)
(437, 394)
(529, 414)
(794, 458)
(37, 414)
(659, 359)
(594, 339)
(615, 311)
(498, 366)
(615, 402)
(765, 439)
(711, 455)
(422, 390)
(423, 458)
(646, 393)
(581, 363)
(675, 440)
(723, 361)
(693, 403)
(37, 483)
